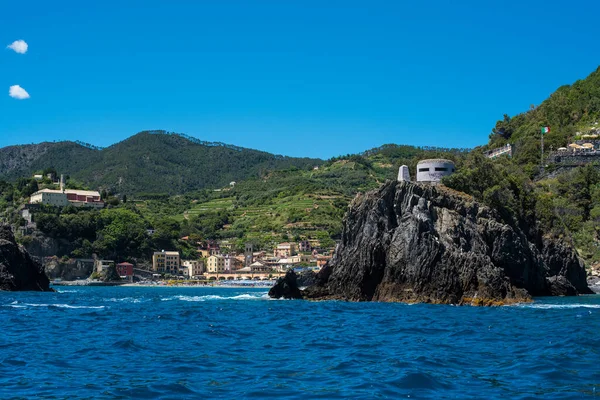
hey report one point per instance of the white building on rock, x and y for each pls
(433, 170)
(403, 174)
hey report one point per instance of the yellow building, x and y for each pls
(284, 250)
(166, 261)
(215, 264)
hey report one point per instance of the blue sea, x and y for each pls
(194, 343)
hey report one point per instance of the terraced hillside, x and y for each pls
(286, 204)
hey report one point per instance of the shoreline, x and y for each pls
(148, 285)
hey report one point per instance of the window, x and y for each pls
(441, 169)
(423, 169)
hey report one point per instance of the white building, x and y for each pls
(403, 174)
(433, 170)
(194, 268)
(62, 198)
(49, 197)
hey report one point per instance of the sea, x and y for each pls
(236, 343)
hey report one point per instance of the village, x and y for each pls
(219, 260)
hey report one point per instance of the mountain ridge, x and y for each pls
(183, 163)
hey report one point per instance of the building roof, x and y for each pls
(71, 191)
(125, 264)
(437, 160)
(171, 253)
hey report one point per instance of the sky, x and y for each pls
(299, 78)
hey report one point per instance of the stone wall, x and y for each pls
(573, 159)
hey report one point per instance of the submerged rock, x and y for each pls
(419, 243)
(286, 287)
(18, 271)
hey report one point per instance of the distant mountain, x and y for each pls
(151, 162)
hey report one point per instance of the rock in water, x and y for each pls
(17, 270)
(419, 243)
(286, 287)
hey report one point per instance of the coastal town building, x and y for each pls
(125, 270)
(285, 250)
(102, 265)
(166, 261)
(215, 264)
(194, 268)
(213, 247)
(248, 254)
(63, 198)
(432, 171)
(259, 267)
(304, 246)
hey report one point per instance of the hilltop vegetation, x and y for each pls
(567, 205)
(569, 109)
(153, 161)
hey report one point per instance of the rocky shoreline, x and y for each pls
(18, 271)
(407, 242)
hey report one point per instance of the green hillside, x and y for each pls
(293, 203)
(22, 161)
(571, 108)
(156, 162)
(565, 204)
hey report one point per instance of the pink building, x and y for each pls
(125, 269)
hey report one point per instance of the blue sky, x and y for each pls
(297, 78)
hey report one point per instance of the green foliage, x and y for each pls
(152, 161)
(569, 108)
(502, 186)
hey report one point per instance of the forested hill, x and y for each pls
(570, 109)
(153, 161)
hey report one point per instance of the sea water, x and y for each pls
(186, 343)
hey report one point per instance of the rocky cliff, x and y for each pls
(419, 243)
(17, 270)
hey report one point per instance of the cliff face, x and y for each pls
(418, 243)
(17, 270)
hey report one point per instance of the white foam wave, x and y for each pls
(16, 304)
(245, 296)
(124, 300)
(67, 291)
(559, 306)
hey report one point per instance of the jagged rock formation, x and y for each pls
(69, 270)
(41, 246)
(419, 243)
(286, 287)
(17, 270)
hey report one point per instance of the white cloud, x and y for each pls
(17, 92)
(19, 46)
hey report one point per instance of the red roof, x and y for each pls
(125, 264)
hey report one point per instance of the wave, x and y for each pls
(558, 306)
(16, 304)
(124, 300)
(245, 296)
